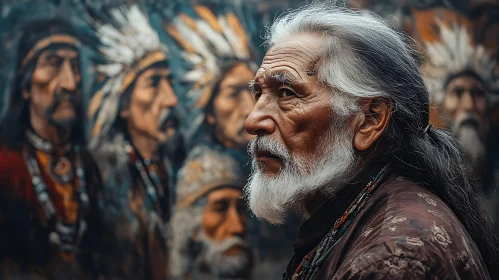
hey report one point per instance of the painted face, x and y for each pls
(232, 106)
(224, 217)
(292, 105)
(465, 104)
(150, 112)
(465, 94)
(55, 91)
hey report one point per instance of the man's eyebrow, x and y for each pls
(281, 77)
(252, 87)
(220, 201)
(52, 54)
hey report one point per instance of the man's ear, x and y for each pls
(211, 119)
(372, 123)
(125, 113)
(26, 94)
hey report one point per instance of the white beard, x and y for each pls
(226, 267)
(470, 137)
(272, 197)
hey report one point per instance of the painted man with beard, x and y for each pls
(460, 77)
(465, 104)
(48, 182)
(341, 119)
(210, 223)
(134, 117)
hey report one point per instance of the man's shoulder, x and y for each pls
(409, 230)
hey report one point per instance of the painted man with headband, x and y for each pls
(134, 119)
(48, 182)
(209, 226)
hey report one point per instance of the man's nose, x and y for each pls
(468, 102)
(68, 79)
(259, 121)
(169, 99)
(236, 224)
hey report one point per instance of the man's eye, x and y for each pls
(54, 61)
(285, 92)
(458, 92)
(477, 92)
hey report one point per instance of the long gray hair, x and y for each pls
(365, 57)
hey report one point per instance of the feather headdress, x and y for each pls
(210, 42)
(129, 45)
(453, 53)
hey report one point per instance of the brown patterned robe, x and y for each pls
(403, 232)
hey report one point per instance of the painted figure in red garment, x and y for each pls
(48, 182)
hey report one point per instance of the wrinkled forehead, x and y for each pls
(298, 53)
(465, 81)
(225, 194)
(64, 52)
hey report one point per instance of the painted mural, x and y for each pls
(131, 158)
(122, 142)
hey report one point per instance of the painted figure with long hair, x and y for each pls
(49, 183)
(134, 120)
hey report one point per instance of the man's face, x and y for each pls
(150, 112)
(292, 106)
(301, 145)
(227, 253)
(465, 95)
(232, 106)
(55, 91)
(465, 103)
(224, 217)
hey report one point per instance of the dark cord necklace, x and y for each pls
(155, 190)
(313, 261)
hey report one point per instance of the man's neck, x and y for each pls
(48, 132)
(314, 202)
(146, 146)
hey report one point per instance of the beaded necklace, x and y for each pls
(313, 261)
(65, 235)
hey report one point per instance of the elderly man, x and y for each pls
(460, 84)
(209, 225)
(134, 119)
(341, 119)
(465, 103)
(49, 183)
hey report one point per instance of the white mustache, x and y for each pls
(466, 117)
(268, 144)
(231, 242)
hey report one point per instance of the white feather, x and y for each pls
(453, 53)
